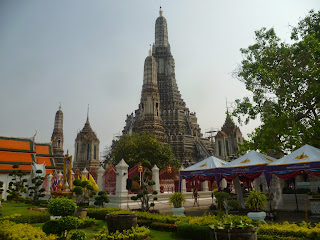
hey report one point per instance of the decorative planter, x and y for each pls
(178, 211)
(258, 216)
(121, 221)
(235, 234)
(314, 206)
(60, 194)
(81, 212)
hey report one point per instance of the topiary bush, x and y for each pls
(61, 226)
(61, 207)
(77, 235)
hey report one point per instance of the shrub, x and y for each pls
(59, 226)
(101, 198)
(154, 217)
(69, 222)
(87, 222)
(233, 204)
(100, 213)
(52, 227)
(191, 231)
(61, 207)
(135, 233)
(220, 198)
(294, 231)
(77, 235)
(32, 218)
(13, 231)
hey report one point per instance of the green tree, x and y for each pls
(35, 191)
(142, 147)
(284, 80)
(17, 185)
(144, 196)
(83, 191)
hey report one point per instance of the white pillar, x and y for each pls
(85, 172)
(155, 178)
(205, 186)
(121, 178)
(183, 182)
(59, 176)
(237, 186)
(49, 182)
(99, 180)
(72, 179)
(223, 183)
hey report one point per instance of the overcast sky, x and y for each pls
(80, 52)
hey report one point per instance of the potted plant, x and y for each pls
(233, 227)
(177, 199)
(256, 201)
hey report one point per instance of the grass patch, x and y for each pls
(10, 208)
(159, 235)
(90, 232)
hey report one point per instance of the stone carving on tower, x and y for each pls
(181, 129)
(227, 140)
(86, 153)
(57, 139)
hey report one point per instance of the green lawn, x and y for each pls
(20, 208)
(158, 235)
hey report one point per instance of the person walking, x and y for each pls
(195, 195)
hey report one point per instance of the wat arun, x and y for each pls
(162, 111)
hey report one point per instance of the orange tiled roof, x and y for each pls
(8, 167)
(43, 149)
(46, 160)
(20, 144)
(20, 151)
(16, 157)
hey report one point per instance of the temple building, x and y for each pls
(86, 153)
(227, 140)
(162, 111)
(57, 139)
(23, 152)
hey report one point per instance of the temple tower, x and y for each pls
(227, 140)
(57, 139)
(181, 129)
(86, 153)
(148, 115)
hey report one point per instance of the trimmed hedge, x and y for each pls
(135, 233)
(192, 231)
(12, 231)
(286, 230)
(100, 213)
(31, 218)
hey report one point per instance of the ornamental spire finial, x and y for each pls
(59, 105)
(160, 12)
(88, 114)
(150, 51)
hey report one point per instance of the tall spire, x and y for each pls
(161, 33)
(88, 114)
